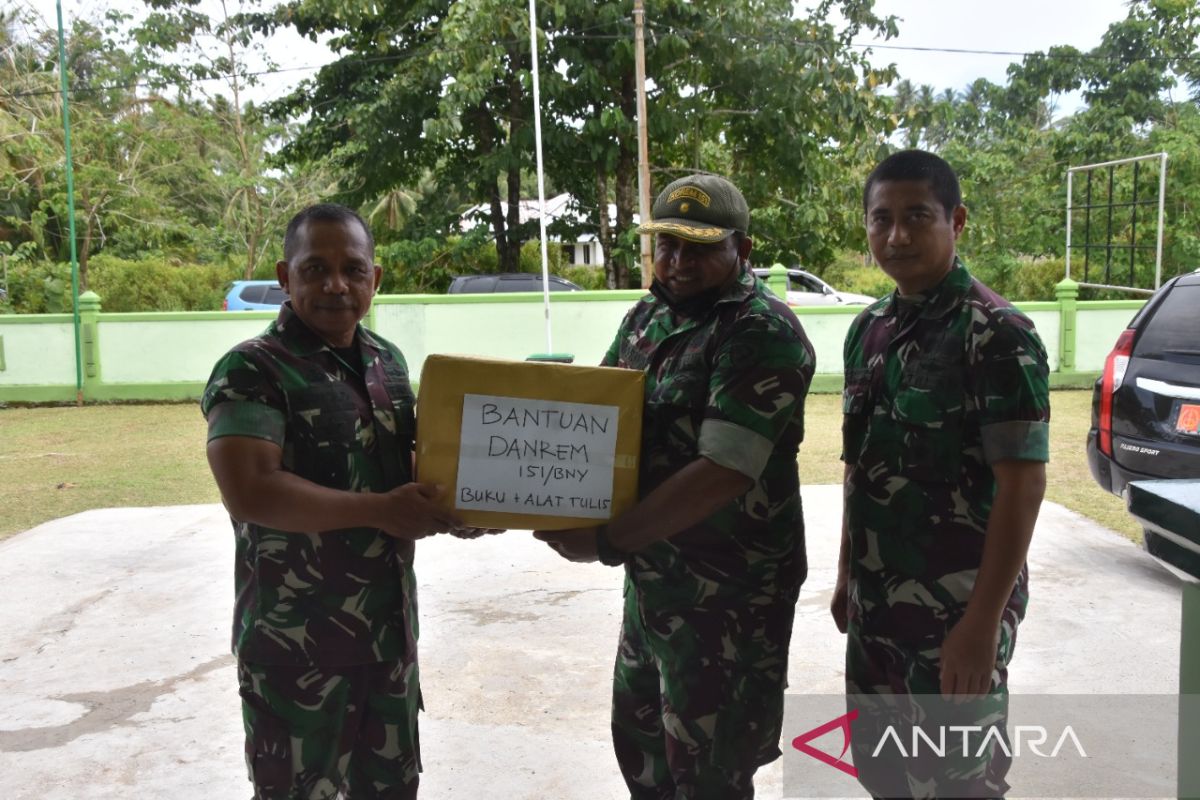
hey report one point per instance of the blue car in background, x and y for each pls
(253, 296)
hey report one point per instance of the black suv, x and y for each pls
(1146, 405)
(509, 282)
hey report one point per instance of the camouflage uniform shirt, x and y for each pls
(730, 385)
(938, 388)
(335, 598)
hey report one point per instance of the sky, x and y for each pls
(995, 25)
(295, 56)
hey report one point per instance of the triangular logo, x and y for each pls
(843, 722)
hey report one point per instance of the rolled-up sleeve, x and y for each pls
(1019, 439)
(240, 400)
(734, 447)
(760, 377)
(1011, 386)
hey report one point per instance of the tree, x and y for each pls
(113, 155)
(1012, 153)
(181, 47)
(424, 86)
(787, 108)
(440, 86)
(592, 122)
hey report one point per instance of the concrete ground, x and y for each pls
(116, 680)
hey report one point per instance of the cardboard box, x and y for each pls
(521, 444)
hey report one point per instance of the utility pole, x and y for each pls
(639, 44)
(541, 180)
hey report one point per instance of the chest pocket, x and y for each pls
(402, 410)
(403, 402)
(322, 434)
(676, 404)
(683, 383)
(856, 395)
(857, 405)
(400, 393)
(928, 415)
(631, 357)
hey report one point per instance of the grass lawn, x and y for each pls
(59, 461)
(1069, 482)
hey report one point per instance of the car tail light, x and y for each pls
(1114, 375)
(225, 304)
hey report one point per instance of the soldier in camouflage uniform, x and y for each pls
(714, 551)
(945, 439)
(310, 432)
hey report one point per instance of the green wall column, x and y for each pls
(369, 320)
(777, 281)
(89, 324)
(1067, 292)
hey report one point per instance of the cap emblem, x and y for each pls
(699, 195)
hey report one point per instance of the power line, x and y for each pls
(400, 57)
(966, 51)
(89, 89)
(761, 38)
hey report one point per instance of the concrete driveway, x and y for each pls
(117, 681)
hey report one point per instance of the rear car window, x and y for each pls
(803, 283)
(275, 295)
(483, 283)
(522, 284)
(1174, 327)
(252, 294)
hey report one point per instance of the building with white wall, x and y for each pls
(584, 250)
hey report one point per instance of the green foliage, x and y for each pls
(38, 287)
(1012, 155)
(1179, 137)
(12, 258)
(996, 269)
(853, 271)
(791, 104)
(134, 156)
(1016, 279)
(422, 86)
(531, 258)
(177, 175)
(428, 266)
(155, 285)
(144, 285)
(427, 111)
(445, 86)
(591, 278)
(1035, 279)
(180, 46)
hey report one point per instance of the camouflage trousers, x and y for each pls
(698, 697)
(908, 741)
(313, 732)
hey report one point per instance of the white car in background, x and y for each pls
(806, 289)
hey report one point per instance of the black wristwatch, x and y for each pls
(609, 556)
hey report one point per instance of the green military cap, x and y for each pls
(699, 208)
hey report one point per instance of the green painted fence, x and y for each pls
(168, 356)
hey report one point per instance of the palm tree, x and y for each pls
(399, 204)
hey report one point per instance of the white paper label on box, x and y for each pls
(536, 456)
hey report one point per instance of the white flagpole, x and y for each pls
(541, 181)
